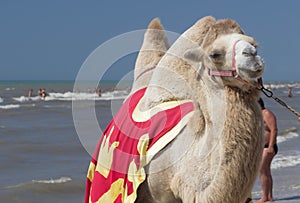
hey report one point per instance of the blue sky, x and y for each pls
(50, 40)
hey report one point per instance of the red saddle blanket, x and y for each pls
(128, 144)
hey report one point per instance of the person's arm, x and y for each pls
(270, 120)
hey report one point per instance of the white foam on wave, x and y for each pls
(294, 187)
(50, 181)
(288, 136)
(71, 96)
(26, 99)
(292, 158)
(10, 88)
(287, 130)
(1, 100)
(15, 106)
(54, 181)
(282, 85)
(10, 106)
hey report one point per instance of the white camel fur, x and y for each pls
(216, 157)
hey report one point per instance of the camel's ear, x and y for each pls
(195, 54)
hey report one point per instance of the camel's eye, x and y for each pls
(215, 56)
(246, 53)
(249, 51)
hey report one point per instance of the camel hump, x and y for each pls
(155, 24)
(155, 38)
(154, 47)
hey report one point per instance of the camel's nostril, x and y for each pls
(259, 66)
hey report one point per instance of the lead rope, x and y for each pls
(270, 94)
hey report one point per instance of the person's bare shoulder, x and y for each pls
(268, 113)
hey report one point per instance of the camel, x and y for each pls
(215, 155)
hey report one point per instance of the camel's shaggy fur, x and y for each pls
(216, 156)
(222, 27)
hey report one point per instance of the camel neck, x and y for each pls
(241, 142)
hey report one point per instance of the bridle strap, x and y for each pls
(226, 73)
(233, 56)
(221, 73)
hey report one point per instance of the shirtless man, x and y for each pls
(270, 150)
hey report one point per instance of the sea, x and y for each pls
(44, 160)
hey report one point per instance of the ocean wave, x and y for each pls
(287, 130)
(10, 106)
(282, 85)
(50, 181)
(292, 158)
(26, 99)
(10, 88)
(74, 96)
(287, 136)
(294, 187)
(71, 96)
(15, 106)
(54, 181)
(1, 100)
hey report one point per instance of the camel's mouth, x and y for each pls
(251, 73)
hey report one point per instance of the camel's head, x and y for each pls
(232, 57)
